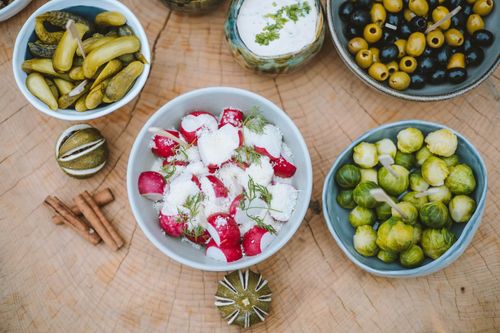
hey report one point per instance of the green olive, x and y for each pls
(435, 39)
(457, 60)
(401, 44)
(356, 44)
(378, 13)
(438, 13)
(364, 58)
(482, 7)
(454, 37)
(392, 67)
(419, 7)
(378, 71)
(393, 6)
(474, 22)
(408, 64)
(399, 80)
(375, 54)
(408, 15)
(415, 45)
(372, 33)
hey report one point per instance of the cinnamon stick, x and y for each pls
(102, 198)
(65, 214)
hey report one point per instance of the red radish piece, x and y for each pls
(192, 124)
(218, 186)
(151, 185)
(164, 147)
(223, 229)
(231, 116)
(224, 254)
(171, 225)
(267, 143)
(218, 146)
(235, 205)
(283, 168)
(196, 180)
(256, 240)
(201, 239)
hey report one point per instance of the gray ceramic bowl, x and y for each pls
(476, 75)
(337, 217)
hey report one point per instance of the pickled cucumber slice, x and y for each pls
(120, 84)
(65, 51)
(37, 85)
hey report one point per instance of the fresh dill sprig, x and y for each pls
(255, 121)
(169, 171)
(247, 154)
(253, 192)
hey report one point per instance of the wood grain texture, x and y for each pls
(53, 281)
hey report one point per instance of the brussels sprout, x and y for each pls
(345, 200)
(348, 176)
(394, 235)
(435, 242)
(440, 193)
(435, 171)
(442, 142)
(451, 161)
(449, 223)
(364, 241)
(409, 210)
(461, 179)
(387, 256)
(369, 175)
(365, 155)
(386, 147)
(405, 160)
(410, 140)
(362, 196)
(361, 216)
(417, 202)
(394, 185)
(417, 233)
(417, 182)
(383, 211)
(412, 257)
(423, 154)
(434, 214)
(461, 208)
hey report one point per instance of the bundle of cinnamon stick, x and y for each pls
(96, 227)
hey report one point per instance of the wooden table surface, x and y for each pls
(53, 281)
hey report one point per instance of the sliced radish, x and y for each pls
(256, 240)
(235, 204)
(218, 147)
(164, 147)
(223, 229)
(231, 116)
(245, 219)
(201, 239)
(172, 225)
(261, 173)
(224, 254)
(180, 189)
(267, 143)
(196, 123)
(151, 185)
(283, 168)
(196, 180)
(284, 199)
(217, 185)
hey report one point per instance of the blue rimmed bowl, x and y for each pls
(336, 217)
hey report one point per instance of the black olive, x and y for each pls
(350, 32)
(458, 20)
(417, 81)
(360, 18)
(388, 37)
(454, 3)
(428, 51)
(388, 53)
(443, 55)
(345, 10)
(438, 77)
(467, 45)
(394, 19)
(365, 4)
(457, 75)
(466, 10)
(426, 65)
(418, 23)
(404, 30)
(483, 37)
(406, 3)
(433, 4)
(474, 56)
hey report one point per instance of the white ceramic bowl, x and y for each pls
(87, 7)
(12, 9)
(214, 100)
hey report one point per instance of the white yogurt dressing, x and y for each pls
(294, 35)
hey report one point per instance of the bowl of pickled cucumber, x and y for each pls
(87, 79)
(406, 198)
(422, 50)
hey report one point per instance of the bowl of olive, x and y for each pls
(437, 183)
(66, 81)
(422, 50)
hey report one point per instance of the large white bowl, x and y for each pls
(88, 6)
(8, 11)
(214, 100)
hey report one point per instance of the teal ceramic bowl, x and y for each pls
(336, 217)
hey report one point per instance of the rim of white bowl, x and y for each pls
(18, 58)
(13, 9)
(453, 252)
(276, 245)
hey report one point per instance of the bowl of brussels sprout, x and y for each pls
(436, 182)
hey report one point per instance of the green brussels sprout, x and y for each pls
(345, 200)
(348, 176)
(435, 242)
(394, 185)
(387, 256)
(362, 195)
(435, 171)
(369, 175)
(451, 161)
(409, 210)
(412, 257)
(442, 142)
(417, 182)
(423, 154)
(410, 140)
(461, 208)
(417, 233)
(365, 155)
(386, 147)
(361, 216)
(461, 180)
(439, 193)
(449, 223)
(417, 202)
(364, 240)
(405, 160)
(394, 235)
(434, 214)
(383, 211)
